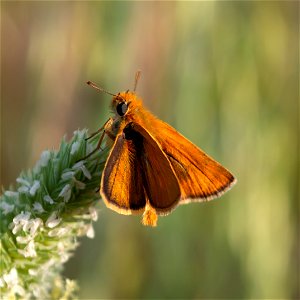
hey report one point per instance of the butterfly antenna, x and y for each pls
(136, 80)
(96, 87)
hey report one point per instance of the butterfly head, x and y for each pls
(124, 103)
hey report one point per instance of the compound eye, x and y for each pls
(122, 108)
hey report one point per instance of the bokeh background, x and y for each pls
(226, 75)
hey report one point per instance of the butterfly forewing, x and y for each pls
(200, 177)
(122, 180)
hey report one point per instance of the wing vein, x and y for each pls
(201, 171)
(116, 172)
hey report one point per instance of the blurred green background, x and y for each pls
(226, 75)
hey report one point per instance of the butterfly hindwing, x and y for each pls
(161, 184)
(137, 171)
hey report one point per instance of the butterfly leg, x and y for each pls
(100, 140)
(98, 131)
(94, 133)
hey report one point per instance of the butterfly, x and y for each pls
(152, 168)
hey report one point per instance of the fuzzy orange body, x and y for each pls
(151, 167)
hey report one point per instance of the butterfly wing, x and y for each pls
(122, 181)
(137, 170)
(201, 178)
(160, 182)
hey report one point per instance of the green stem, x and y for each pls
(40, 221)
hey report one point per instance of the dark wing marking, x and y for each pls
(160, 182)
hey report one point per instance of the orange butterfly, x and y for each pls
(151, 167)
